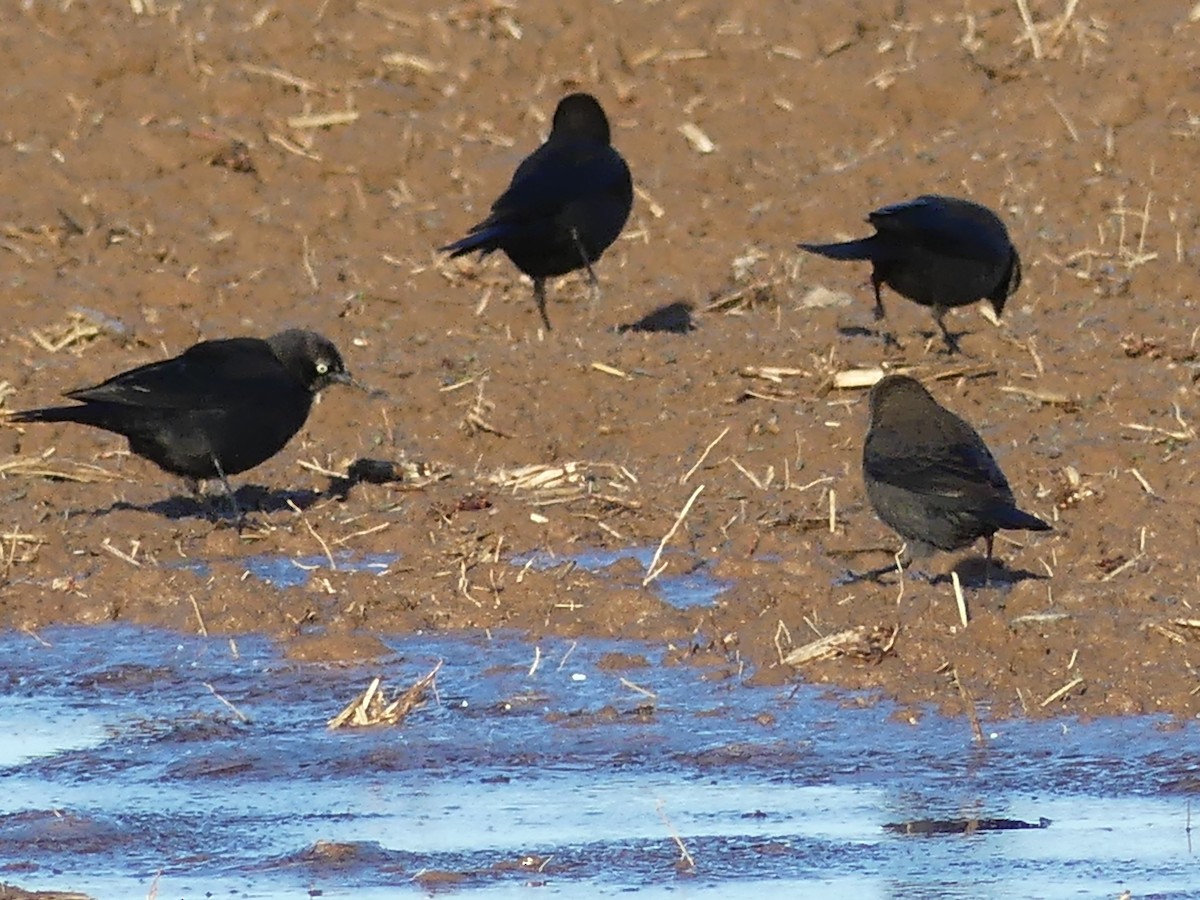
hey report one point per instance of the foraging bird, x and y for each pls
(937, 251)
(930, 477)
(219, 408)
(566, 204)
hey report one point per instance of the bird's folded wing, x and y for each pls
(556, 175)
(941, 229)
(959, 471)
(212, 373)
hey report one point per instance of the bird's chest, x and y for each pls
(242, 436)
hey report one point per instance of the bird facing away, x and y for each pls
(940, 252)
(566, 204)
(219, 408)
(930, 477)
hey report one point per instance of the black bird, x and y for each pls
(937, 251)
(219, 408)
(930, 477)
(566, 204)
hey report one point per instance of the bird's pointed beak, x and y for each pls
(350, 381)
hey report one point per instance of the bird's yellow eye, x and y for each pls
(322, 368)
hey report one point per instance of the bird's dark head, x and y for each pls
(312, 359)
(580, 116)
(898, 396)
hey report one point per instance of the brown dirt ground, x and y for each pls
(159, 189)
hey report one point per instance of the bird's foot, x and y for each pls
(246, 524)
(953, 348)
(948, 337)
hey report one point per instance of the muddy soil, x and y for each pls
(173, 172)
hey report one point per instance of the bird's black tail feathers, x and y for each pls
(82, 415)
(485, 240)
(863, 248)
(1012, 518)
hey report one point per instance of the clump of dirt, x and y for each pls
(178, 171)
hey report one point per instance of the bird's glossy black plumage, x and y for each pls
(937, 251)
(219, 408)
(566, 204)
(930, 476)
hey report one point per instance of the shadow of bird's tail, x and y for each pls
(860, 249)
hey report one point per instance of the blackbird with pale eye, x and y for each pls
(940, 252)
(566, 204)
(219, 408)
(930, 477)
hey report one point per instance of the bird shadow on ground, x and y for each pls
(253, 498)
(674, 318)
(887, 338)
(973, 572)
(216, 507)
(859, 331)
(977, 572)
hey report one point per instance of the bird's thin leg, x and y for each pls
(987, 559)
(539, 294)
(951, 341)
(889, 339)
(876, 284)
(593, 281)
(233, 504)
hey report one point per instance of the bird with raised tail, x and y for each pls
(940, 252)
(566, 204)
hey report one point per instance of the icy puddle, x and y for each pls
(693, 588)
(287, 571)
(124, 773)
